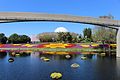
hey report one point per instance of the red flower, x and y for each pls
(40, 46)
(1, 45)
(70, 45)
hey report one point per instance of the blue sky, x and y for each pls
(93, 8)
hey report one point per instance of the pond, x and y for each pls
(30, 66)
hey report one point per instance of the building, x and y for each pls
(34, 38)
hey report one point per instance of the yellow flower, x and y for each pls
(55, 45)
(85, 46)
(62, 53)
(66, 44)
(28, 45)
(95, 45)
(113, 45)
(16, 44)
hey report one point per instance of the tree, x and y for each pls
(65, 37)
(57, 37)
(47, 37)
(24, 39)
(3, 38)
(68, 37)
(104, 35)
(87, 33)
(15, 39)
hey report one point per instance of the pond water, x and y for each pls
(30, 66)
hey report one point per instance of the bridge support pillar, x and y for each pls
(118, 43)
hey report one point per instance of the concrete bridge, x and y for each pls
(7, 17)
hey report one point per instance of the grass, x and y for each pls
(55, 49)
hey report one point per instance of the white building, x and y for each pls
(34, 38)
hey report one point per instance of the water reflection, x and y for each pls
(56, 55)
(3, 55)
(29, 66)
(89, 56)
(19, 54)
(106, 54)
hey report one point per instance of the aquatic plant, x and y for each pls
(83, 58)
(10, 60)
(75, 65)
(56, 75)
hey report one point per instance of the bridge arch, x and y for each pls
(22, 17)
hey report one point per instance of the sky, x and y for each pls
(92, 8)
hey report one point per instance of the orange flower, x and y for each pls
(1, 45)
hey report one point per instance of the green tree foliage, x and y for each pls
(15, 39)
(24, 39)
(57, 37)
(3, 38)
(103, 34)
(47, 37)
(65, 37)
(87, 33)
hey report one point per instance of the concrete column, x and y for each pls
(118, 43)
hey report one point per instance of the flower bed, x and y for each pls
(55, 45)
